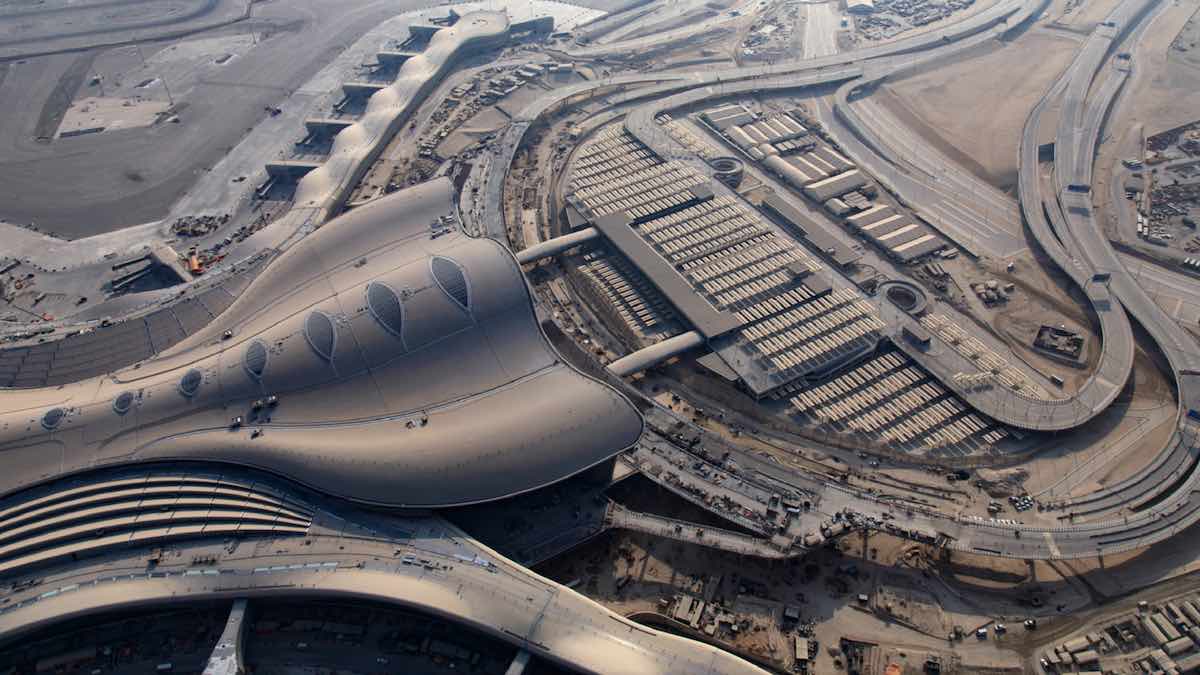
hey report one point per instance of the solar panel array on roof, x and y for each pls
(452, 280)
(385, 306)
(705, 318)
(642, 308)
(727, 272)
(615, 173)
(813, 337)
(321, 334)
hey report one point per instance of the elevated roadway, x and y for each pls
(1106, 533)
(1079, 126)
(1162, 494)
(1158, 493)
(422, 563)
(955, 202)
(431, 566)
(710, 537)
(490, 215)
(1017, 408)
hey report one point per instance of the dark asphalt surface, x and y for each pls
(104, 182)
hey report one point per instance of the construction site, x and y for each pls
(599, 337)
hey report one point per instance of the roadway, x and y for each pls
(423, 563)
(1073, 239)
(900, 148)
(709, 537)
(1075, 242)
(432, 566)
(488, 211)
(1106, 534)
(1026, 410)
(429, 565)
(1174, 291)
(1080, 123)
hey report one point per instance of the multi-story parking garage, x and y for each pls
(761, 302)
(391, 366)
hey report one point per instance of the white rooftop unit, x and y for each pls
(836, 186)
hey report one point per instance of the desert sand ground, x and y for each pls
(632, 573)
(974, 109)
(1164, 92)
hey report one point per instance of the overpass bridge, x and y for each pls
(1105, 534)
(777, 547)
(423, 563)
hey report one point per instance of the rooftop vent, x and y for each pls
(321, 334)
(452, 280)
(189, 384)
(255, 359)
(53, 418)
(123, 402)
(385, 307)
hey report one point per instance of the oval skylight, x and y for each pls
(321, 334)
(452, 280)
(255, 359)
(385, 307)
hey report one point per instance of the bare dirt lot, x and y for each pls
(974, 109)
(1124, 438)
(906, 607)
(1166, 84)
(1186, 45)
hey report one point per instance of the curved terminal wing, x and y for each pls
(387, 358)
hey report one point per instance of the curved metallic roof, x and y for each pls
(156, 508)
(469, 406)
